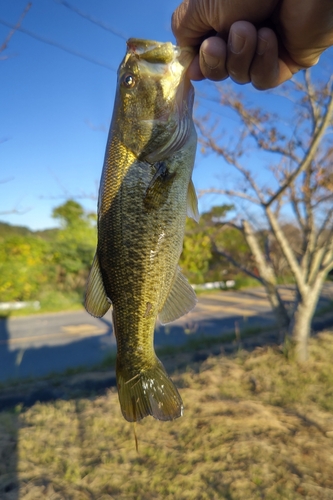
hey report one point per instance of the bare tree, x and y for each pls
(300, 165)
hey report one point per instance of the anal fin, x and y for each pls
(96, 301)
(181, 299)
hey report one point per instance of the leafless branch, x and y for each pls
(295, 206)
(229, 192)
(15, 211)
(234, 226)
(286, 248)
(321, 200)
(310, 154)
(229, 157)
(328, 263)
(15, 28)
(254, 121)
(240, 266)
(309, 231)
(310, 92)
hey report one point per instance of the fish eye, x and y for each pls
(128, 80)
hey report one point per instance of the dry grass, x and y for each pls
(256, 426)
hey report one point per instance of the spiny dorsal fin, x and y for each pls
(96, 301)
(192, 202)
(181, 299)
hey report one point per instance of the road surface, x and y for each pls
(40, 344)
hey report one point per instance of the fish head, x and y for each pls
(154, 95)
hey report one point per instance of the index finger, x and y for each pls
(195, 20)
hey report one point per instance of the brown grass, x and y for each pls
(256, 426)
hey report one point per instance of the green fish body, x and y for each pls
(145, 194)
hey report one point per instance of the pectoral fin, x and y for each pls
(158, 189)
(192, 202)
(180, 301)
(96, 301)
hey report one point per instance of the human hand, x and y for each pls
(260, 41)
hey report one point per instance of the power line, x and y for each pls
(57, 45)
(92, 19)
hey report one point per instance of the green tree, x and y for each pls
(75, 244)
(200, 260)
(197, 252)
(25, 267)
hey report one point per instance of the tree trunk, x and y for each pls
(300, 327)
(278, 307)
(268, 278)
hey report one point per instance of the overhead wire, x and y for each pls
(92, 19)
(58, 45)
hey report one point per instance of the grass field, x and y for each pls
(256, 426)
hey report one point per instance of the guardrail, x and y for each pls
(14, 306)
(219, 285)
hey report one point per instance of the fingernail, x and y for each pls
(236, 43)
(211, 61)
(261, 46)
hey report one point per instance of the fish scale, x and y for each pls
(145, 194)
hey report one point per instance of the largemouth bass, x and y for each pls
(145, 193)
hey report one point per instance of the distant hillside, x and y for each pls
(12, 230)
(9, 230)
(47, 234)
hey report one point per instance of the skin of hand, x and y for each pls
(259, 41)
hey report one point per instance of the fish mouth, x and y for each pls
(160, 52)
(159, 59)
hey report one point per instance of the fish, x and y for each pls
(146, 192)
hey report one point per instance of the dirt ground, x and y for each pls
(256, 426)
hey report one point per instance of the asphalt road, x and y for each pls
(40, 344)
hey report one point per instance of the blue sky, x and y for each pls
(55, 108)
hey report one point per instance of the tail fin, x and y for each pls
(149, 392)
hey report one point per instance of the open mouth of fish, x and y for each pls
(159, 59)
